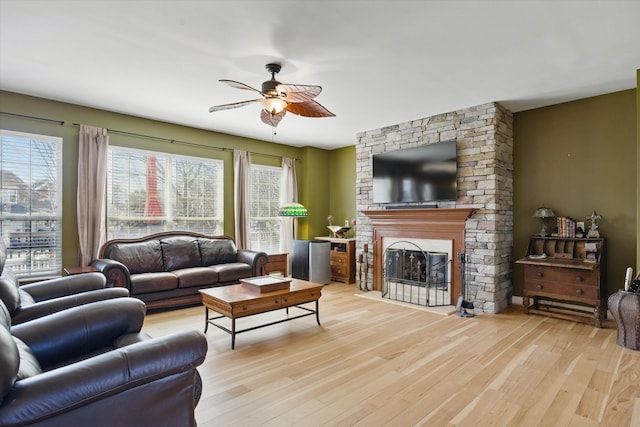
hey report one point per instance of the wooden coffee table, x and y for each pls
(235, 301)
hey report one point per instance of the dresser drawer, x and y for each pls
(339, 257)
(562, 289)
(338, 270)
(248, 308)
(567, 276)
(300, 297)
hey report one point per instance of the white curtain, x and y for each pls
(288, 194)
(242, 197)
(92, 182)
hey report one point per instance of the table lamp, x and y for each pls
(543, 213)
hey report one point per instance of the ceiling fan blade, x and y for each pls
(233, 105)
(299, 93)
(271, 119)
(239, 85)
(309, 109)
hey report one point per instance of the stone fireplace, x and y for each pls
(479, 223)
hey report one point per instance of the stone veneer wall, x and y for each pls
(484, 136)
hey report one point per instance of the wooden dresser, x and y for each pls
(564, 278)
(342, 259)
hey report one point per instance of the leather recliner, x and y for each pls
(28, 302)
(91, 366)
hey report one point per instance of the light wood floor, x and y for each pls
(373, 363)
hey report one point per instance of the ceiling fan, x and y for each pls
(278, 98)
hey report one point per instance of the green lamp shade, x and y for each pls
(292, 209)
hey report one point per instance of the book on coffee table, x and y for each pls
(265, 283)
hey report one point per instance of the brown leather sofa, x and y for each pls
(167, 269)
(27, 302)
(85, 366)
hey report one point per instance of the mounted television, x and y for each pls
(421, 174)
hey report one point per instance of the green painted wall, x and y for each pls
(342, 179)
(314, 189)
(311, 164)
(577, 157)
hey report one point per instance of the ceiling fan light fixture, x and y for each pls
(274, 105)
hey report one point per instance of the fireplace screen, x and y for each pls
(415, 276)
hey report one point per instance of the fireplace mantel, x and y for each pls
(421, 216)
(438, 224)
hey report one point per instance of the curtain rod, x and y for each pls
(172, 141)
(158, 138)
(175, 141)
(22, 116)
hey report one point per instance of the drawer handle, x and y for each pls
(579, 292)
(244, 307)
(286, 300)
(579, 279)
(539, 274)
(539, 287)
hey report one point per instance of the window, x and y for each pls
(150, 192)
(30, 203)
(265, 201)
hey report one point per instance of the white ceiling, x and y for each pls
(379, 62)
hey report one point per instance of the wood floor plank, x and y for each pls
(372, 363)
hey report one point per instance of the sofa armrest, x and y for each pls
(63, 286)
(117, 273)
(132, 338)
(110, 377)
(255, 259)
(72, 333)
(26, 313)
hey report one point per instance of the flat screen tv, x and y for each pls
(421, 174)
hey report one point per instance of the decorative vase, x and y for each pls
(625, 308)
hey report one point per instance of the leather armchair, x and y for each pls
(91, 365)
(28, 302)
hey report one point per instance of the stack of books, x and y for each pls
(566, 227)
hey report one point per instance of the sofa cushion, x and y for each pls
(9, 291)
(152, 282)
(180, 252)
(29, 365)
(26, 299)
(217, 251)
(140, 257)
(3, 254)
(9, 361)
(5, 317)
(232, 271)
(196, 276)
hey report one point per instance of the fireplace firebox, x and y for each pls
(416, 276)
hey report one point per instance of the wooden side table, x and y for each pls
(276, 263)
(342, 259)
